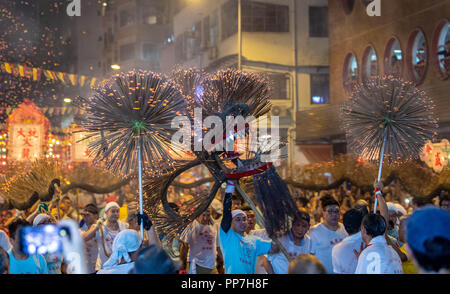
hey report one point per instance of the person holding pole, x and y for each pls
(239, 249)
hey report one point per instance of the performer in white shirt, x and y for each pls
(378, 257)
(343, 258)
(328, 233)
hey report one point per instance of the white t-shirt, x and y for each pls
(239, 253)
(323, 240)
(91, 250)
(280, 264)
(379, 258)
(202, 242)
(121, 269)
(262, 234)
(343, 257)
(109, 236)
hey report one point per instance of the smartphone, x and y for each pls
(42, 239)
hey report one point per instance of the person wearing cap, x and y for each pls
(124, 253)
(296, 242)
(105, 233)
(239, 249)
(342, 255)
(428, 240)
(89, 219)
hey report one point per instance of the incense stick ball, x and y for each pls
(137, 104)
(391, 106)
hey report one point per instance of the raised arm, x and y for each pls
(227, 218)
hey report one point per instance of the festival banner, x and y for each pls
(36, 74)
(27, 132)
(436, 155)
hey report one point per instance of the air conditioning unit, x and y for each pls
(213, 52)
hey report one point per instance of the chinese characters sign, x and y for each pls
(436, 155)
(26, 142)
(27, 132)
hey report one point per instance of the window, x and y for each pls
(351, 73)
(348, 5)
(441, 49)
(318, 22)
(264, 17)
(126, 18)
(213, 28)
(193, 41)
(180, 48)
(369, 64)
(393, 58)
(417, 59)
(150, 15)
(127, 52)
(320, 88)
(280, 85)
(229, 16)
(150, 52)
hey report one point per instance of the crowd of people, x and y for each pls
(333, 232)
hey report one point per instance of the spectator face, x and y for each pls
(205, 217)
(239, 224)
(65, 205)
(89, 218)
(331, 214)
(299, 229)
(236, 204)
(299, 204)
(251, 220)
(133, 224)
(113, 214)
(446, 205)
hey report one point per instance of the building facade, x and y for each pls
(134, 31)
(287, 40)
(410, 39)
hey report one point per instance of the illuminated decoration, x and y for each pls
(436, 155)
(80, 148)
(3, 150)
(27, 131)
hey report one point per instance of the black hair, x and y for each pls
(421, 201)
(352, 220)
(328, 200)
(374, 224)
(235, 197)
(247, 208)
(153, 260)
(66, 198)
(445, 198)
(303, 200)
(4, 261)
(437, 254)
(301, 215)
(364, 208)
(15, 225)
